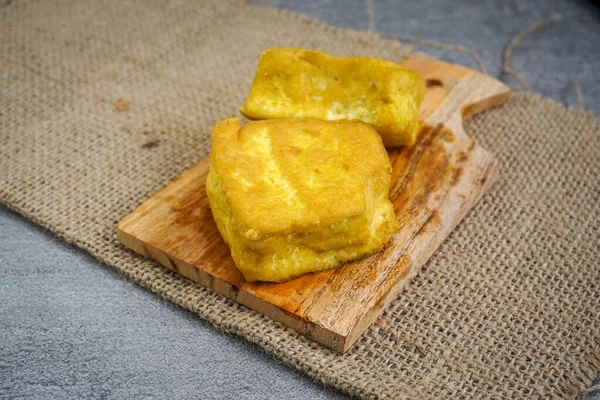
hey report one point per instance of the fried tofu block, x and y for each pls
(292, 83)
(291, 196)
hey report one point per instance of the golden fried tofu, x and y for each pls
(292, 196)
(292, 83)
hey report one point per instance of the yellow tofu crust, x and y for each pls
(299, 195)
(305, 83)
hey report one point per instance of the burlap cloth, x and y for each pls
(103, 103)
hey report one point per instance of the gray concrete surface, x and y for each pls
(70, 327)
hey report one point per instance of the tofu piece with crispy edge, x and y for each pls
(296, 83)
(291, 196)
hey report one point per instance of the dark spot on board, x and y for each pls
(433, 83)
(462, 157)
(172, 264)
(150, 145)
(467, 111)
(401, 269)
(434, 221)
(471, 146)
(456, 176)
(234, 290)
(447, 136)
(483, 180)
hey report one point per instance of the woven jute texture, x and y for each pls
(103, 103)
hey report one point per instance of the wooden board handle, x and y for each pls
(454, 92)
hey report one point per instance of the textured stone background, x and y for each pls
(72, 328)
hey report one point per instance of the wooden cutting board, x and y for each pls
(434, 184)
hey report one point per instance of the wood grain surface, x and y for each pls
(434, 184)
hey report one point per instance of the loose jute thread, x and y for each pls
(426, 43)
(579, 95)
(443, 46)
(371, 12)
(506, 68)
